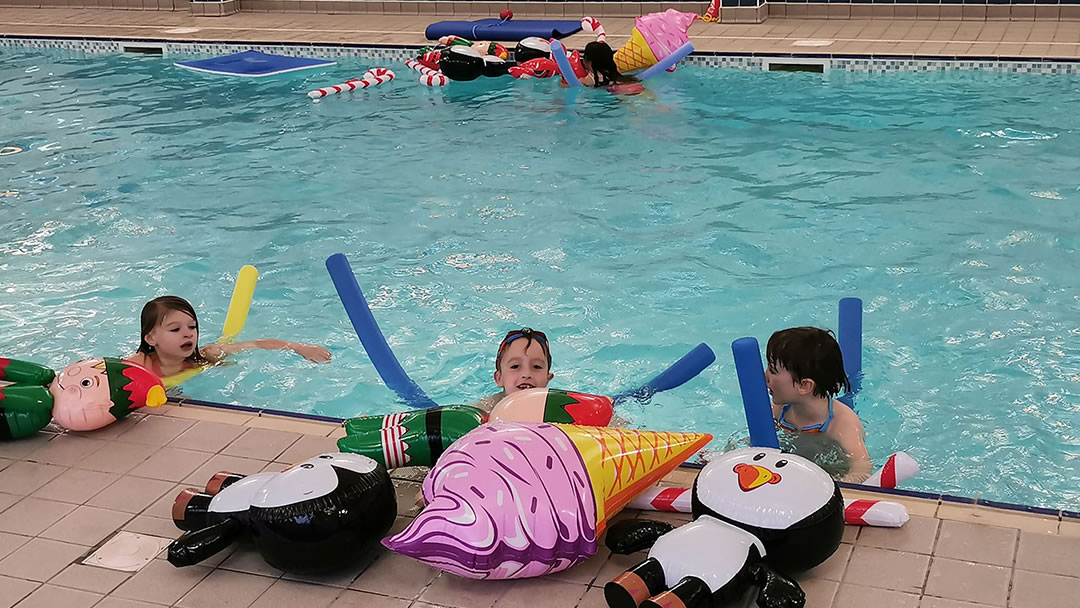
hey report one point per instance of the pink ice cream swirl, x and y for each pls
(508, 500)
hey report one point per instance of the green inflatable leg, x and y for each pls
(415, 438)
(24, 410)
(24, 372)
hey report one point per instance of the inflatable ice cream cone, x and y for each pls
(517, 500)
(635, 54)
(654, 37)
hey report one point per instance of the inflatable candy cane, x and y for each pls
(898, 468)
(371, 78)
(590, 24)
(428, 76)
(419, 67)
(880, 513)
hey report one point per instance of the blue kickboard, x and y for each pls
(253, 64)
(502, 31)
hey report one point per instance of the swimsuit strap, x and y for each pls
(783, 423)
(813, 428)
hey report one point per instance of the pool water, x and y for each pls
(721, 204)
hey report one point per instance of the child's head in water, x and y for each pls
(170, 328)
(804, 363)
(523, 361)
(599, 57)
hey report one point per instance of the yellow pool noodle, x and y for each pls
(235, 318)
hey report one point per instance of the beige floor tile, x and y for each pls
(916, 536)
(833, 568)
(968, 581)
(26, 477)
(115, 429)
(152, 526)
(24, 447)
(6, 500)
(1038, 590)
(155, 430)
(395, 575)
(130, 494)
(89, 578)
(977, 543)
(4, 462)
(86, 525)
(13, 590)
(51, 596)
(75, 486)
(245, 558)
(337, 433)
(1070, 528)
(66, 450)
(615, 565)
(162, 507)
(340, 578)
(194, 412)
(171, 464)
(117, 457)
(593, 598)
(858, 596)
(851, 534)
(226, 589)
(360, 599)
(998, 517)
(291, 425)
(289, 594)
(206, 436)
(220, 463)
(457, 592)
(159, 582)
(307, 446)
(31, 516)
(1007, 49)
(584, 573)
(887, 569)
(40, 559)
(10, 542)
(275, 467)
(119, 602)
(261, 444)
(938, 602)
(1049, 554)
(524, 593)
(820, 593)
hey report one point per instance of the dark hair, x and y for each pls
(602, 60)
(155, 310)
(529, 334)
(809, 353)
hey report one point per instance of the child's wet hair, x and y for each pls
(152, 314)
(809, 353)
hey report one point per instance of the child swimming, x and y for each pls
(523, 361)
(169, 342)
(805, 372)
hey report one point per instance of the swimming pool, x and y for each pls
(723, 204)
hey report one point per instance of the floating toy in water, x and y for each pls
(429, 76)
(531, 48)
(485, 47)
(759, 514)
(541, 67)
(371, 78)
(316, 516)
(654, 37)
(517, 499)
(418, 438)
(465, 63)
(898, 468)
(9, 150)
(84, 396)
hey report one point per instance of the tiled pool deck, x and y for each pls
(893, 37)
(63, 495)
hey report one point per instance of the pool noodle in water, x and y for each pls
(667, 62)
(755, 394)
(395, 377)
(558, 52)
(849, 335)
(235, 318)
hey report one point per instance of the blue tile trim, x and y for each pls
(1022, 508)
(255, 410)
(1070, 515)
(958, 499)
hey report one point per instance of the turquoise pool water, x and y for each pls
(723, 204)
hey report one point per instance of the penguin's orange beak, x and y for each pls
(753, 476)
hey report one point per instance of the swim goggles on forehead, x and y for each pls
(524, 332)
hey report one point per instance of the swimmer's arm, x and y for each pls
(311, 352)
(849, 434)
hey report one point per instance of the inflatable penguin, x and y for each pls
(316, 516)
(759, 514)
(466, 63)
(532, 48)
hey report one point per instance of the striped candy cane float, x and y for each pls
(428, 76)
(371, 78)
(882, 513)
(590, 24)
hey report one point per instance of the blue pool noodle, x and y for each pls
(558, 52)
(371, 337)
(755, 394)
(850, 338)
(691, 364)
(667, 62)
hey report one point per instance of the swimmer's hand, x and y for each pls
(311, 352)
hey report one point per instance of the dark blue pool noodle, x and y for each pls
(371, 337)
(755, 394)
(850, 339)
(691, 364)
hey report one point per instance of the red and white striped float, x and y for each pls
(428, 76)
(898, 468)
(590, 24)
(371, 78)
